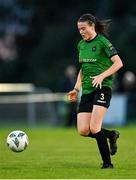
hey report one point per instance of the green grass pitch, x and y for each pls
(63, 154)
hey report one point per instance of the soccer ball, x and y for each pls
(17, 141)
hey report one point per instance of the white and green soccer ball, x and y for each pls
(17, 141)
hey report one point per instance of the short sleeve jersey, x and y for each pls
(94, 57)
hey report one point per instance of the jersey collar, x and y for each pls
(92, 39)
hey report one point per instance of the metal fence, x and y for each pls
(24, 105)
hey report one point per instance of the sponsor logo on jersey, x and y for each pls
(87, 60)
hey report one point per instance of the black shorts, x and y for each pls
(99, 97)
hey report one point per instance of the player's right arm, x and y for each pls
(73, 95)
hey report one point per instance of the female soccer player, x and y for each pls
(99, 61)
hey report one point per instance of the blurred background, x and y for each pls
(39, 60)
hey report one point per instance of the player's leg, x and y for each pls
(102, 97)
(85, 107)
(83, 123)
(84, 115)
(97, 117)
(83, 126)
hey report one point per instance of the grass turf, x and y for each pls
(62, 153)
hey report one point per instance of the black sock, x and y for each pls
(91, 135)
(108, 133)
(103, 147)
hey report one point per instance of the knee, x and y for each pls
(94, 129)
(84, 131)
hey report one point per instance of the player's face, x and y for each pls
(86, 30)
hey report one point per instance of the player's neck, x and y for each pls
(92, 36)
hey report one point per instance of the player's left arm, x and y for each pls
(117, 64)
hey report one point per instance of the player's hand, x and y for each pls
(97, 81)
(72, 95)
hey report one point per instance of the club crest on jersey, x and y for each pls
(94, 48)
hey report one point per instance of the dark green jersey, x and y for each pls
(94, 57)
